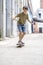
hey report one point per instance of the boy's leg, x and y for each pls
(21, 32)
(21, 35)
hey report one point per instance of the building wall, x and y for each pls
(4, 18)
(6, 24)
(41, 4)
(30, 5)
(1, 18)
(35, 27)
(9, 8)
(9, 23)
(39, 16)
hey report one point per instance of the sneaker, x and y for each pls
(19, 42)
(22, 42)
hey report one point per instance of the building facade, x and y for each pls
(41, 4)
(1, 18)
(8, 9)
(39, 17)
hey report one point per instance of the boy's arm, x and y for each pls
(28, 19)
(16, 16)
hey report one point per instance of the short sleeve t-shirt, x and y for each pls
(22, 18)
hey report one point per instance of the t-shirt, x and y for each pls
(22, 18)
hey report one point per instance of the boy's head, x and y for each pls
(25, 9)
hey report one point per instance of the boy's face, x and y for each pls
(25, 11)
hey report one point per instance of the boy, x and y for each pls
(21, 23)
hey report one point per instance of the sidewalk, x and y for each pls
(30, 54)
(27, 36)
(8, 40)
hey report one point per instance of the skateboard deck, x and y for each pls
(20, 45)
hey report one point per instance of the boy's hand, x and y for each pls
(31, 22)
(13, 18)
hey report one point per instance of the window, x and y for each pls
(39, 15)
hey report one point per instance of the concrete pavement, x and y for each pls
(30, 54)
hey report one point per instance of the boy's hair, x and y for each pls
(25, 7)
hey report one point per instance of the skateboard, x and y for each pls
(20, 45)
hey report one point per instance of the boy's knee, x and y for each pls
(23, 33)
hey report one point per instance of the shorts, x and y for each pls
(21, 28)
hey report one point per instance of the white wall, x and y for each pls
(14, 22)
(36, 5)
(4, 18)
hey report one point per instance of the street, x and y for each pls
(30, 54)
